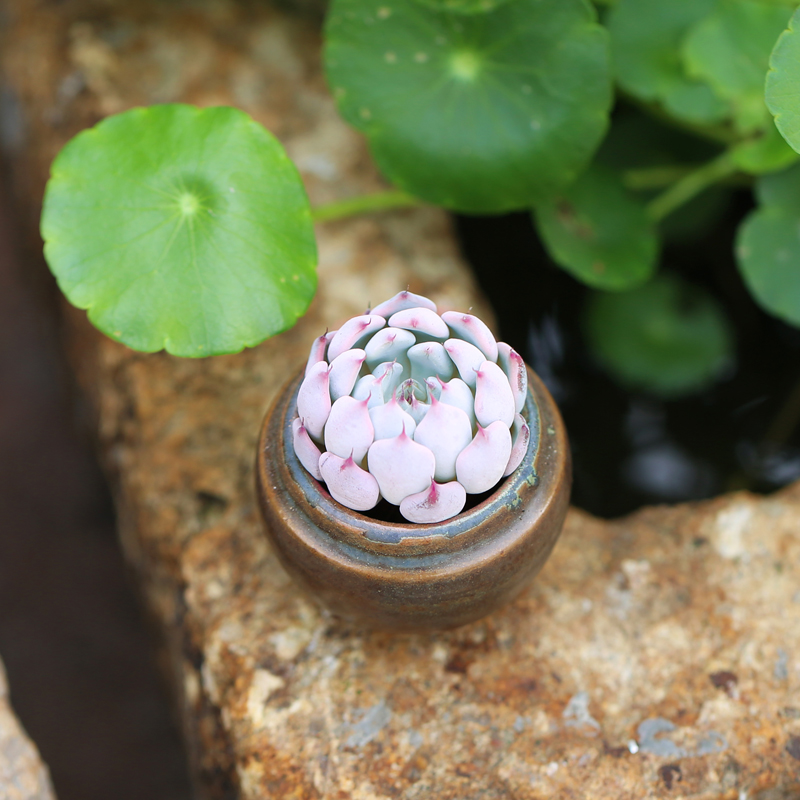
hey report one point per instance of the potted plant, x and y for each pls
(404, 410)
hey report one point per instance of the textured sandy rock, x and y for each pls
(657, 656)
(23, 775)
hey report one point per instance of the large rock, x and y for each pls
(23, 775)
(657, 656)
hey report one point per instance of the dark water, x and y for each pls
(631, 449)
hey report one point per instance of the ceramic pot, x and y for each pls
(405, 575)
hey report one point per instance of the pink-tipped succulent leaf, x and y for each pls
(420, 320)
(370, 388)
(428, 360)
(481, 463)
(391, 373)
(389, 344)
(439, 502)
(319, 348)
(314, 399)
(306, 450)
(421, 411)
(473, 330)
(493, 397)
(467, 359)
(344, 372)
(349, 430)
(520, 438)
(389, 420)
(401, 466)
(348, 483)
(445, 431)
(353, 332)
(456, 393)
(400, 302)
(514, 367)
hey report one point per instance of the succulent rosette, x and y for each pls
(415, 407)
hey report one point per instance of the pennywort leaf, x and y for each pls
(768, 253)
(476, 112)
(780, 189)
(783, 80)
(667, 337)
(730, 50)
(768, 246)
(181, 228)
(646, 37)
(599, 232)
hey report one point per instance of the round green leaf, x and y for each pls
(768, 254)
(599, 233)
(783, 79)
(767, 152)
(478, 113)
(730, 51)
(181, 228)
(667, 337)
(780, 189)
(645, 38)
(696, 102)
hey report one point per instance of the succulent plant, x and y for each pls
(411, 406)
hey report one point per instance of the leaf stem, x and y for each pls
(691, 185)
(364, 204)
(655, 177)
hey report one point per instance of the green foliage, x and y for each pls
(702, 61)
(765, 152)
(181, 229)
(729, 50)
(478, 113)
(781, 189)
(463, 6)
(783, 80)
(189, 230)
(649, 155)
(599, 232)
(667, 337)
(646, 36)
(768, 246)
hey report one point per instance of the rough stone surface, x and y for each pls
(657, 656)
(23, 775)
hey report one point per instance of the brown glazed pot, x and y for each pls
(405, 575)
